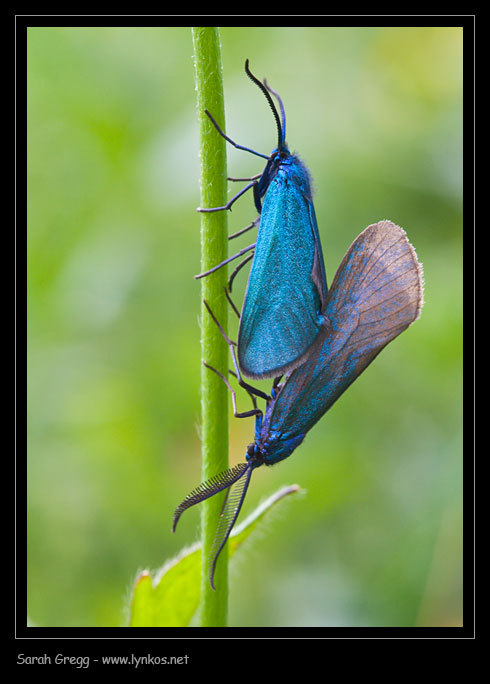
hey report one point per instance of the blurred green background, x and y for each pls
(113, 331)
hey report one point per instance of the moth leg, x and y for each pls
(237, 269)
(232, 142)
(226, 261)
(244, 230)
(252, 397)
(257, 175)
(229, 204)
(276, 386)
(244, 414)
(231, 345)
(231, 302)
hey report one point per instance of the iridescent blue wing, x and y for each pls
(377, 293)
(287, 289)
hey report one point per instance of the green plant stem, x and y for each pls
(214, 249)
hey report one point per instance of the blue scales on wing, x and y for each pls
(287, 288)
(376, 294)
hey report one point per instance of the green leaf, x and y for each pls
(171, 597)
(242, 531)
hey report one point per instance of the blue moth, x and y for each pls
(287, 288)
(376, 294)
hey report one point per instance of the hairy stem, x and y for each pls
(214, 249)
